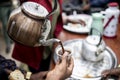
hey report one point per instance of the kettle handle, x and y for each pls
(100, 34)
(53, 11)
(45, 30)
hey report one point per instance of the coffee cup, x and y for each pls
(60, 53)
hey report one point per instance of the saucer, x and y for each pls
(83, 68)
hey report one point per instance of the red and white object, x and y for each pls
(111, 20)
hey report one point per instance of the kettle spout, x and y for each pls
(49, 41)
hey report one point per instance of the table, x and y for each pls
(113, 43)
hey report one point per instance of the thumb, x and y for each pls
(64, 58)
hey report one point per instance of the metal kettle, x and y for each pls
(29, 24)
(93, 47)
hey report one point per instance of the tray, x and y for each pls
(83, 67)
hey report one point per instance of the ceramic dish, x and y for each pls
(84, 69)
(78, 28)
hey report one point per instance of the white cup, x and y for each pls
(60, 53)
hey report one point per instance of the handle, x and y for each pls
(45, 30)
(48, 27)
(100, 47)
(53, 11)
(91, 30)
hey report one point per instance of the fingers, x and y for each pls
(66, 62)
(58, 62)
(82, 22)
(71, 65)
(65, 59)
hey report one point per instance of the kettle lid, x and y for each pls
(34, 9)
(93, 39)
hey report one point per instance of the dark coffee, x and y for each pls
(62, 47)
(61, 52)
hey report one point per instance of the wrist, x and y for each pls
(53, 76)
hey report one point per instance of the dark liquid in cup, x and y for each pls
(61, 52)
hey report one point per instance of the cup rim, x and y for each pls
(66, 49)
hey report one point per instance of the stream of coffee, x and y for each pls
(63, 50)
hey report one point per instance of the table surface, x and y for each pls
(113, 43)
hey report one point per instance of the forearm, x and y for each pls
(53, 78)
(54, 75)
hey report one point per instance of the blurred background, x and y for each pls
(6, 44)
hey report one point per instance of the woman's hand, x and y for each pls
(62, 69)
(66, 20)
(39, 76)
(111, 72)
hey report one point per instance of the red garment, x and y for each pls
(32, 55)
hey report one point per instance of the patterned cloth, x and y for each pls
(7, 63)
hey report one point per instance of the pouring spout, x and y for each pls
(49, 41)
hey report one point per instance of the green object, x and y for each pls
(97, 23)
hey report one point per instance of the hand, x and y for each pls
(79, 21)
(39, 76)
(66, 20)
(111, 72)
(62, 70)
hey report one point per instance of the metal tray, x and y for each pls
(83, 67)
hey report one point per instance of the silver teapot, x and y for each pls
(29, 24)
(93, 47)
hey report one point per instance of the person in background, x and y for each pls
(5, 10)
(61, 71)
(80, 6)
(99, 5)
